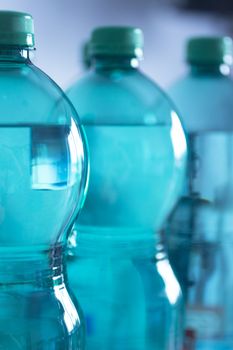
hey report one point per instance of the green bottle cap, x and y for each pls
(16, 29)
(209, 50)
(117, 41)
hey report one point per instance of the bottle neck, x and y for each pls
(121, 243)
(15, 55)
(43, 269)
(210, 69)
(103, 63)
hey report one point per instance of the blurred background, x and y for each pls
(62, 26)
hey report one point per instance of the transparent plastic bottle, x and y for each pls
(199, 229)
(42, 183)
(117, 265)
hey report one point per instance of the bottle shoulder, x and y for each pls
(202, 81)
(120, 97)
(28, 95)
(204, 103)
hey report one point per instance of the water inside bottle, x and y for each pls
(40, 165)
(131, 167)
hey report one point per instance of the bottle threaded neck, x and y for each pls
(14, 54)
(115, 62)
(210, 69)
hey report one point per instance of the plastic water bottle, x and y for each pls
(43, 169)
(200, 228)
(117, 265)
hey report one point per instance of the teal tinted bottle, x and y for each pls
(117, 265)
(200, 227)
(43, 170)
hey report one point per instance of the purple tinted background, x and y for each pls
(63, 25)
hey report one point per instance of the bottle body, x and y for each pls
(137, 153)
(128, 292)
(199, 229)
(43, 176)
